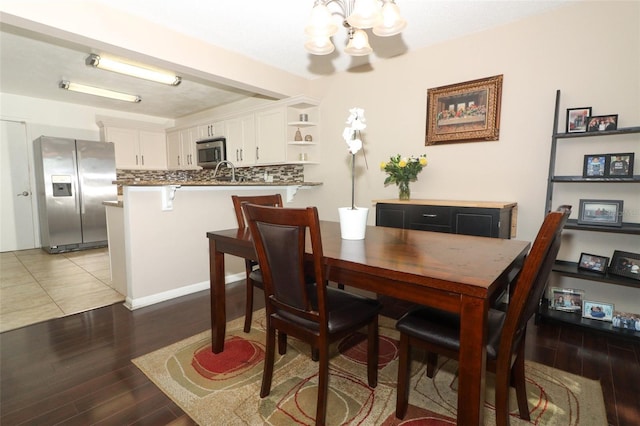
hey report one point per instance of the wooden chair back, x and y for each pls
(532, 281)
(280, 240)
(274, 200)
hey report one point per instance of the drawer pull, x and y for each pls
(429, 215)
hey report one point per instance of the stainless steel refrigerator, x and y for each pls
(73, 178)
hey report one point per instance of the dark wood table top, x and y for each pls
(458, 263)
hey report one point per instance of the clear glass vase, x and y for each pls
(405, 192)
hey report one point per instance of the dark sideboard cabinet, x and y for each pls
(485, 219)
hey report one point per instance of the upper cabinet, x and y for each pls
(270, 136)
(181, 149)
(210, 130)
(262, 135)
(241, 140)
(137, 146)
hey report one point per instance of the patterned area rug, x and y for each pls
(224, 388)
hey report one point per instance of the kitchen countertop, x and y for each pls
(210, 183)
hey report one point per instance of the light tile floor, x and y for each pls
(37, 286)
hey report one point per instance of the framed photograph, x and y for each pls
(577, 119)
(464, 112)
(565, 299)
(593, 263)
(626, 320)
(600, 212)
(625, 264)
(597, 310)
(620, 165)
(595, 166)
(602, 123)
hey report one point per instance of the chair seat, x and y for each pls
(256, 276)
(443, 328)
(346, 309)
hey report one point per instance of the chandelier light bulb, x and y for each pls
(358, 44)
(321, 22)
(391, 23)
(319, 45)
(366, 14)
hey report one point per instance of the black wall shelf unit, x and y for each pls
(570, 269)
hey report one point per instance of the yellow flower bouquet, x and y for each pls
(402, 170)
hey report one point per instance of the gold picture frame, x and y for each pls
(464, 112)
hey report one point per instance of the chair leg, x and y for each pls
(502, 396)
(248, 309)
(282, 343)
(517, 376)
(267, 372)
(404, 365)
(315, 354)
(432, 363)
(323, 385)
(372, 353)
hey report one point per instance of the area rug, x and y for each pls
(223, 389)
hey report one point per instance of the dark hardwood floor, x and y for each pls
(77, 370)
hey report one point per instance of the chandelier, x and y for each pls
(383, 16)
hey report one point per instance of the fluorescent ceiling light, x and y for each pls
(114, 65)
(90, 90)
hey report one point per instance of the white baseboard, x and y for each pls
(141, 302)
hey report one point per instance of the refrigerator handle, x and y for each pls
(77, 199)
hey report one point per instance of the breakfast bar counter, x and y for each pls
(157, 233)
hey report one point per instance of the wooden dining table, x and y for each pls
(456, 273)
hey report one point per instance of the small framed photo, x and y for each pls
(626, 320)
(597, 310)
(600, 212)
(595, 166)
(602, 123)
(593, 263)
(565, 299)
(620, 165)
(577, 119)
(625, 264)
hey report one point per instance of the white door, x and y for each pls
(16, 210)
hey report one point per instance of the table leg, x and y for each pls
(217, 287)
(473, 353)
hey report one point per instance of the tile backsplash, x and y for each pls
(280, 173)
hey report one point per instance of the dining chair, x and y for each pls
(438, 332)
(316, 314)
(254, 275)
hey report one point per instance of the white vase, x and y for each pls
(353, 222)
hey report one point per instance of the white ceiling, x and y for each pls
(271, 32)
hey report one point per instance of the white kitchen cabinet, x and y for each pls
(241, 140)
(181, 149)
(271, 136)
(136, 148)
(210, 130)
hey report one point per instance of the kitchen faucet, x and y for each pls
(229, 164)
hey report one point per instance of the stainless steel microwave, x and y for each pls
(211, 152)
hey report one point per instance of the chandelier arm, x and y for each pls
(345, 5)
